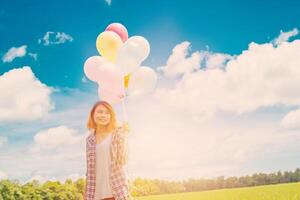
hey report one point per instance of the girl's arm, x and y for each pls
(125, 127)
(122, 144)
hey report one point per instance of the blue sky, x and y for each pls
(225, 26)
(255, 122)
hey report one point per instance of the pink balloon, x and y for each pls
(111, 84)
(100, 70)
(108, 76)
(92, 65)
(109, 96)
(119, 29)
(90, 68)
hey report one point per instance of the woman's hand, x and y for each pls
(126, 127)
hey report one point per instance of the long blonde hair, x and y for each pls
(91, 125)
(122, 152)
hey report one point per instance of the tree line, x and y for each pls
(73, 190)
(141, 187)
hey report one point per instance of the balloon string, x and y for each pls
(125, 120)
(123, 98)
(124, 110)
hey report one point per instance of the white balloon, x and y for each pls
(92, 65)
(143, 44)
(132, 53)
(142, 81)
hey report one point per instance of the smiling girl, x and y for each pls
(106, 155)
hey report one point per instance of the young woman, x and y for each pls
(106, 155)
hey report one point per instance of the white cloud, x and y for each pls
(291, 120)
(57, 148)
(13, 53)
(181, 145)
(33, 55)
(261, 76)
(54, 138)
(108, 2)
(217, 60)
(179, 62)
(56, 153)
(23, 97)
(285, 36)
(62, 37)
(55, 38)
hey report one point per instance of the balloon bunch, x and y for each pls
(117, 71)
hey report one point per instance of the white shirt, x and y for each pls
(103, 160)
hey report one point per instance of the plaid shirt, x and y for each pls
(118, 151)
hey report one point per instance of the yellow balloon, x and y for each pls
(108, 43)
(126, 80)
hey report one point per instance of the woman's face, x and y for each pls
(101, 115)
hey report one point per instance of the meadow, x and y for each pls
(288, 191)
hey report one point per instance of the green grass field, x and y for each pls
(290, 191)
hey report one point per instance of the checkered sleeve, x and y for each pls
(89, 188)
(122, 147)
(86, 174)
(86, 156)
